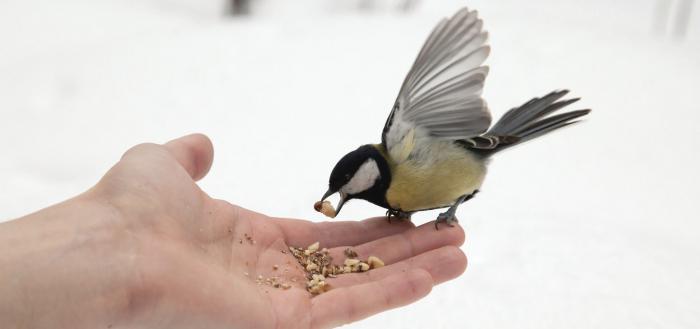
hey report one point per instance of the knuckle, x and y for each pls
(141, 148)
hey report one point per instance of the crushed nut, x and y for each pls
(313, 247)
(363, 267)
(349, 253)
(318, 266)
(351, 262)
(248, 238)
(326, 208)
(375, 262)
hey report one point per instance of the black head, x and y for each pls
(360, 174)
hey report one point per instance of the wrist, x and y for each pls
(58, 268)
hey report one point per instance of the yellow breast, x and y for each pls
(435, 184)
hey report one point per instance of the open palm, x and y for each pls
(198, 262)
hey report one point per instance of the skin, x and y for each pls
(147, 248)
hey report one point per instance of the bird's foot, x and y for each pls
(398, 214)
(448, 217)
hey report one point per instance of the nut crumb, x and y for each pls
(351, 262)
(349, 253)
(363, 267)
(313, 247)
(326, 208)
(318, 265)
(375, 262)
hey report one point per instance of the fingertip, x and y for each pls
(460, 259)
(459, 235)
(450, 263)
(421, 282)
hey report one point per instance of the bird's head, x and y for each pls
(360, 174)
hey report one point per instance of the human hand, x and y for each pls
(147, 248)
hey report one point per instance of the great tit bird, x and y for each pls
(436, 143)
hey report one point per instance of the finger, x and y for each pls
(348, 304)
(406, 244)
(443, 264)
(194, 152)
(301, 233)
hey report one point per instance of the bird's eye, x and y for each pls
(347, 176)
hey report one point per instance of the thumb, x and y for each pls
(195, 154)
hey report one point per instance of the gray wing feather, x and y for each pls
(441, 95)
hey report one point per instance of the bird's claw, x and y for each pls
(398, 214)
(447, 217)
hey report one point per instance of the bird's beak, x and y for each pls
(343, 198)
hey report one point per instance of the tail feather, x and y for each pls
(544, 126)
(531, 120)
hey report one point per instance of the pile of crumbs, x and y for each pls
(318, 266)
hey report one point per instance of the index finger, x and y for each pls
(300, 233)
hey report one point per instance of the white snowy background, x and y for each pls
(596, 226)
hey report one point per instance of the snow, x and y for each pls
(594, 226)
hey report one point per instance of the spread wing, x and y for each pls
(440, 99)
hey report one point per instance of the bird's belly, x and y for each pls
(418, 187)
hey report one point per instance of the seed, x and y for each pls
(311, 267)
(275, 267)
(313, 247)
(351, 262)
(364, 267)
(375, 262)
(326, 208)
(349, 253)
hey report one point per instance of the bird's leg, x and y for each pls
(399, 214)
(449, 216)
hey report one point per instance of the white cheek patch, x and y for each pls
(364, 178)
